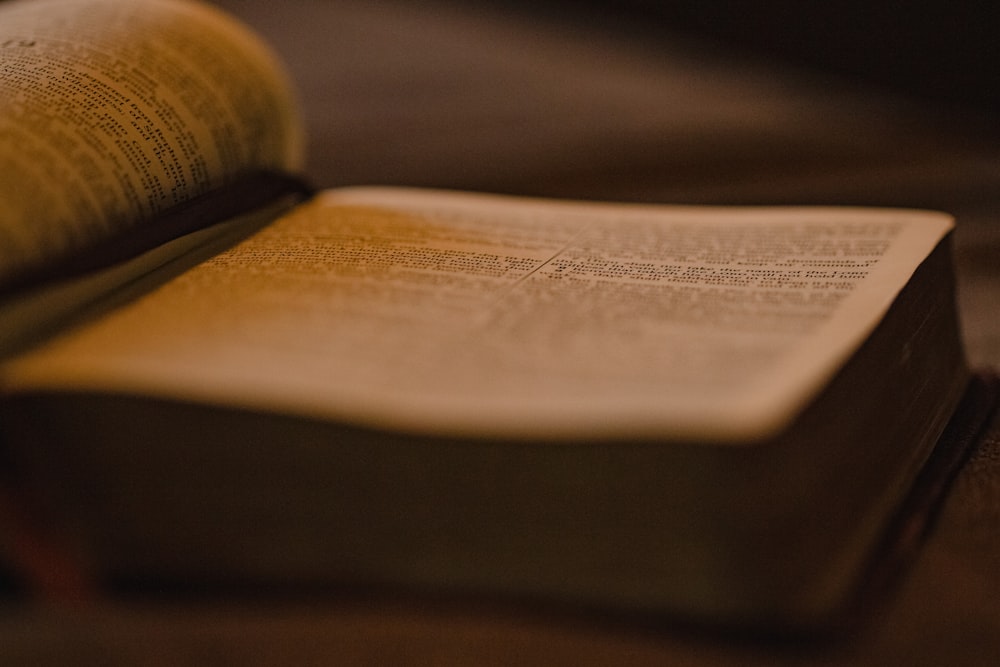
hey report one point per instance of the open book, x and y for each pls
(212, 375)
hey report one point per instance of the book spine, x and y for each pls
(248, 193)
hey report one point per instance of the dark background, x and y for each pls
(935, 49)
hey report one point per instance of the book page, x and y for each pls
(478, 315)
(111, 112)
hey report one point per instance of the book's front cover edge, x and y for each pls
(914, 521)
